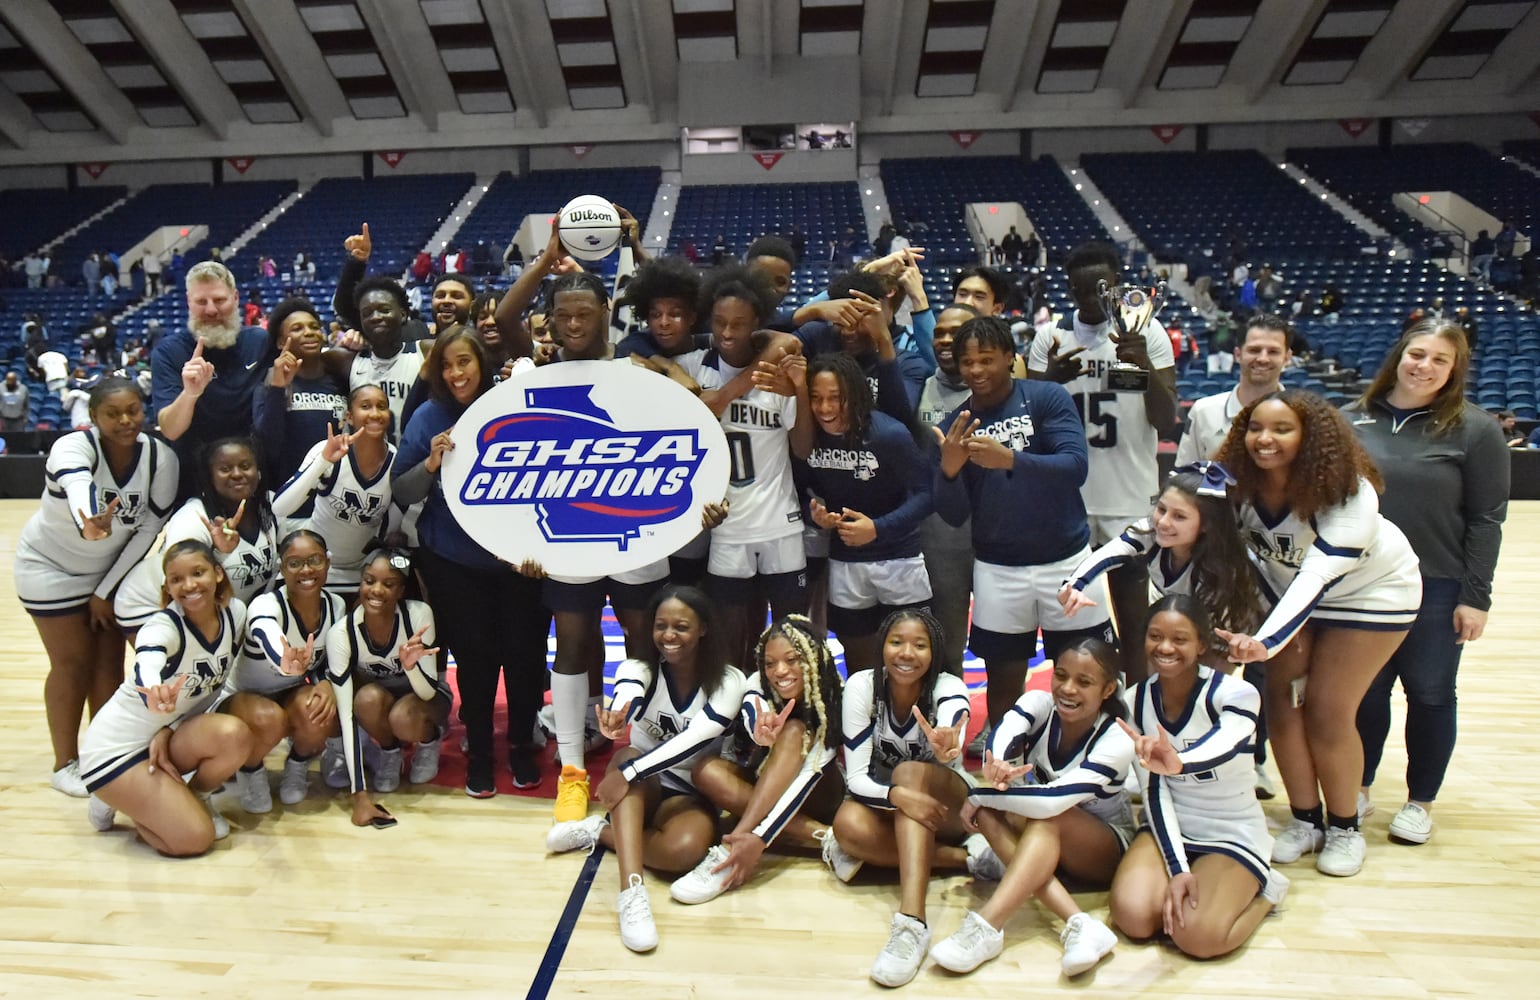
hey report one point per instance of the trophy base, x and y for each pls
(1127, 378)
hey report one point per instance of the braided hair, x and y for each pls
(821, 687)
(855, 391)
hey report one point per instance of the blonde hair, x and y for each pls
(820, 681)
(209, 270)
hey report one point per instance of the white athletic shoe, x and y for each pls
(842, 864)
(67, 779)
(637, 930)
(1295, 841)
(295, 783)
(1086, 942)
(425, 762)
(900, 958)
(255, 793)
(1343, 854)
(100, 814)
(1412, 825)
(221, 825)
(974, 944)
(1276, 889)
(701, 884)
(334, 764)
(983, 862)
(387, 773)
(576, 835)
(1365, 806)
(1265, 789)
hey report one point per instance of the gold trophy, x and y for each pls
(1130, 307)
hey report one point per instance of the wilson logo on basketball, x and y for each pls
(588, 215)
(588, 480)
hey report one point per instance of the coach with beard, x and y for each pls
(203, 377)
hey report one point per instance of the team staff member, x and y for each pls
(108, 491)
(1263, 355)
(1123, 429)
(1446, 487)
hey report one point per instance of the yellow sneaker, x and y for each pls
(571, 794)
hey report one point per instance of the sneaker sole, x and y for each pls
(1414, 839)
(488, 793)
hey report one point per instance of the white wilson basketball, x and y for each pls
(589, 227)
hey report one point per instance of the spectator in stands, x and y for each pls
(193, 406)
(1269, 287)
(849, 245)
(1013, 246)
(883, 244)
(1509, 422)
(267, 267)
(513, 260)
(35, 268)
(152, 334)
(152, 271)
(1507, 237)
(996, 255)
(99, 335)
(1331, 303)
(1247, 298)
(1435, 308)
(91, 272)
(1032, 250)
(797, 240)
(1182, 343)
(720, 250)
(1414, 317)
(1482, 248)
(35, 341)
(1534, 438)
(14, 401)
(1467, 321)
(481, 258)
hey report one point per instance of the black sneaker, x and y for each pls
(479, 783)
(524, 763)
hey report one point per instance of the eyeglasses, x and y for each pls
(310, 562)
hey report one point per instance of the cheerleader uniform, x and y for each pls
(1089, 774)
(167, 645)
(816, 764)
(876, 743)
(349, 509)
(270, 618)
(57, 571)
(673, 730)
(1135, 545)
(351, 656)
(1211, 807)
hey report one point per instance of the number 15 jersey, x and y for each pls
(1123, 472)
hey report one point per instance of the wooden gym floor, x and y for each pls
(461, 899)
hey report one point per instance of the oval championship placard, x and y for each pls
(588, 467)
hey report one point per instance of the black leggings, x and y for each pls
(493, 622)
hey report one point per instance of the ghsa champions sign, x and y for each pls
(588, 467)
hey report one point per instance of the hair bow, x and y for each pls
(1216, 479)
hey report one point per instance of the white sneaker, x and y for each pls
(255, 793)
(701, 884)
(1412, 825)
(1086, 942)
(67, 779)
(100, 814)
(1365, 806)
(900, 958)
(637, 931)
(983, 862)
(1276, 889)
(334, 764)
(1295, 841)
(1343, 854)
(425, 762)
(842, 864)
(295, 783)
(387, 773)
(576, 835)
(1265, 789)
(974, 944)
(221, 825)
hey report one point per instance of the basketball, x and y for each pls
(589, 227)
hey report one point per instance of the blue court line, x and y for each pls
(551, 962)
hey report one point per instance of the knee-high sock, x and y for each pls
(569, 703)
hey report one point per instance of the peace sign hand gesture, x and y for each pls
(946, 742)
(768, 726)
(1001, 773)
(161, 698)
(223, 535)
(413, 650)
(337, 445)
(1155, 753)
(613, 723)
(294, 662)
(95, 527)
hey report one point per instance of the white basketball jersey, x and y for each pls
(396, 375)
(761, 495)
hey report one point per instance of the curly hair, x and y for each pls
(734, 281)
(1449, 402)
(939, 664)
(662, 278)
(821, 686)
(855, 392)
(1328, 467)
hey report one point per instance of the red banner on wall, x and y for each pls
(964, 139)
(1534, 116)
(95, 169)
(1355, 127)
(1165, 133)
(240, 163)
(580, 151)
(768, 160)
(392, 158)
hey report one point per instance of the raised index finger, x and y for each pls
(785, 711)
(198, 351)
(925, 727)
(1130, 730)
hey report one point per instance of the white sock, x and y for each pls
(569, 703)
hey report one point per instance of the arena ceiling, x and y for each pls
(136, 79)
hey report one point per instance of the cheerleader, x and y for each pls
(1071, 815)
(903, 724)
(789, 785)
(158, 725)
(279, 688)
(1310, 511)
(108, 492)
(677, 708)
(232, 514)
(345, 483)
(383, 668)
(1198, 869)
